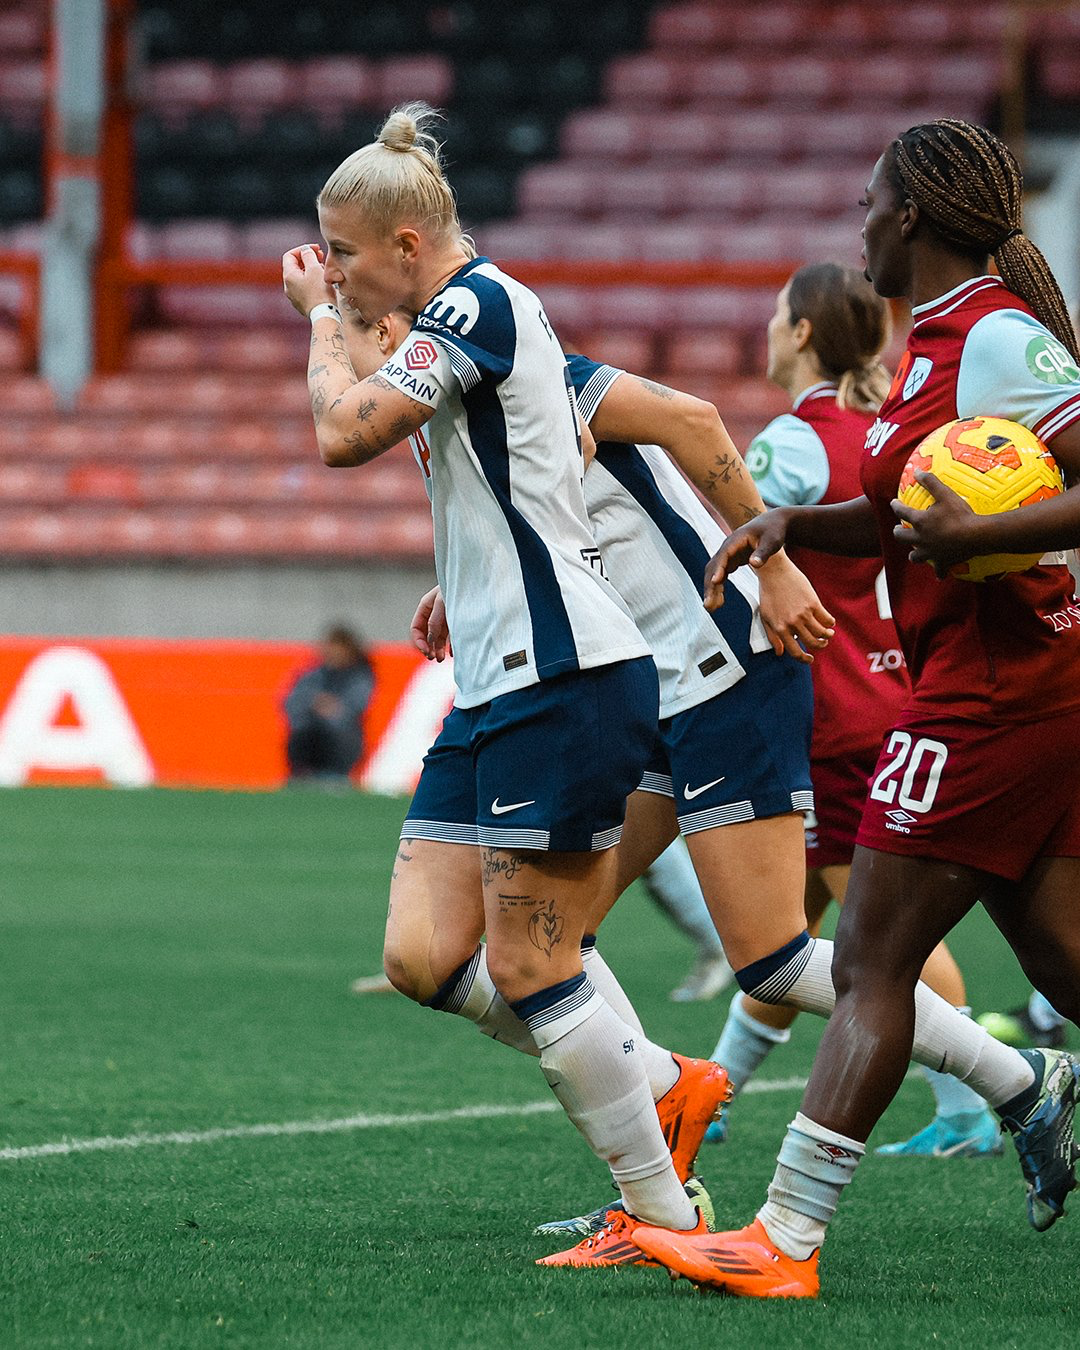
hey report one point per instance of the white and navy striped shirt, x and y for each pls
(525, 596)
(655, 538)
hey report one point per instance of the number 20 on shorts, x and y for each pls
(908, 757)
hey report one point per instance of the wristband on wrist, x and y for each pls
(325, 311)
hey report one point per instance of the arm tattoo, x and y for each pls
(725, 468)
(660, 390)
(363, 413)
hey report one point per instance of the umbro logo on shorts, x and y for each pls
(690, 793)
(497, 810)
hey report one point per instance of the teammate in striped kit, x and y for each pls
(982, 766)
(558, 699)
(824, 342)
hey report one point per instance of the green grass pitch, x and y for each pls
(177, 962)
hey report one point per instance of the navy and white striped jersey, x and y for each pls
(525, 595)
(655, 538)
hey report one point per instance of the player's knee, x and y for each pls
(398, 973)
(514, 972)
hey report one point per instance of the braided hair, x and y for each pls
(969, 187)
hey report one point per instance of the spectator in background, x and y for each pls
(324, 707)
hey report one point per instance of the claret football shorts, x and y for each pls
(840, 787)
(993, 797)
(546, 767)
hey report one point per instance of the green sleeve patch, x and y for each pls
(1050, 361)
(759, 458)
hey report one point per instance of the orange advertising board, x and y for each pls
(193, 714)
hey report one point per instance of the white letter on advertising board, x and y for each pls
(105, 737)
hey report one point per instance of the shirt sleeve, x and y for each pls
(466, 335)
(1012, 366)
(788, 463)
(422, 369)
(591, 381)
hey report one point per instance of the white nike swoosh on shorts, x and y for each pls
(497, 810)
(690, 793)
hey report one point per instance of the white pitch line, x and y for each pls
(105, 1143)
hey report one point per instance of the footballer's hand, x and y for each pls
(429, 630)
(945, 533)
(795, 619)
(302, 277)
(753, 543)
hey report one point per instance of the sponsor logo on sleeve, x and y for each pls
(421, 355)
(456, 309)
(1051, 362)
(759, 458)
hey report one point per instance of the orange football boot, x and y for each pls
(687, 1108)
(745, 1263)
(612, 1246)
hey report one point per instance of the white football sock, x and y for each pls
(813, 1168)
(660, 1069)
(744, 1043)
(945, 1040)
(951, 1097)
(470, 993)
(590, 1059)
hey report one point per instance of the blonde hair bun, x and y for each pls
(407, 128)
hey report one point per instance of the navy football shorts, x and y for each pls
(742, 755)
(546, 767)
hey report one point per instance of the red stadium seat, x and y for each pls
(629, 349)
(22, 87)
(338, 83)
(11, 350)
(677, 241)
(655, 79)
(22, 31)
(563, 189)
(168, 349)
(271, 238)
(263, 351)
(26, 394)
(693, 24)
(616, 239)
(605, 134)
(724, 189)
(198, 239)
(253, 88)
(1061, 74)
(702, 351)
(232, 305)
(180, 86)
(402, 78)
(642, 190)
(41, 484)
(775, 25)
(732, 76)
(526, 238)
